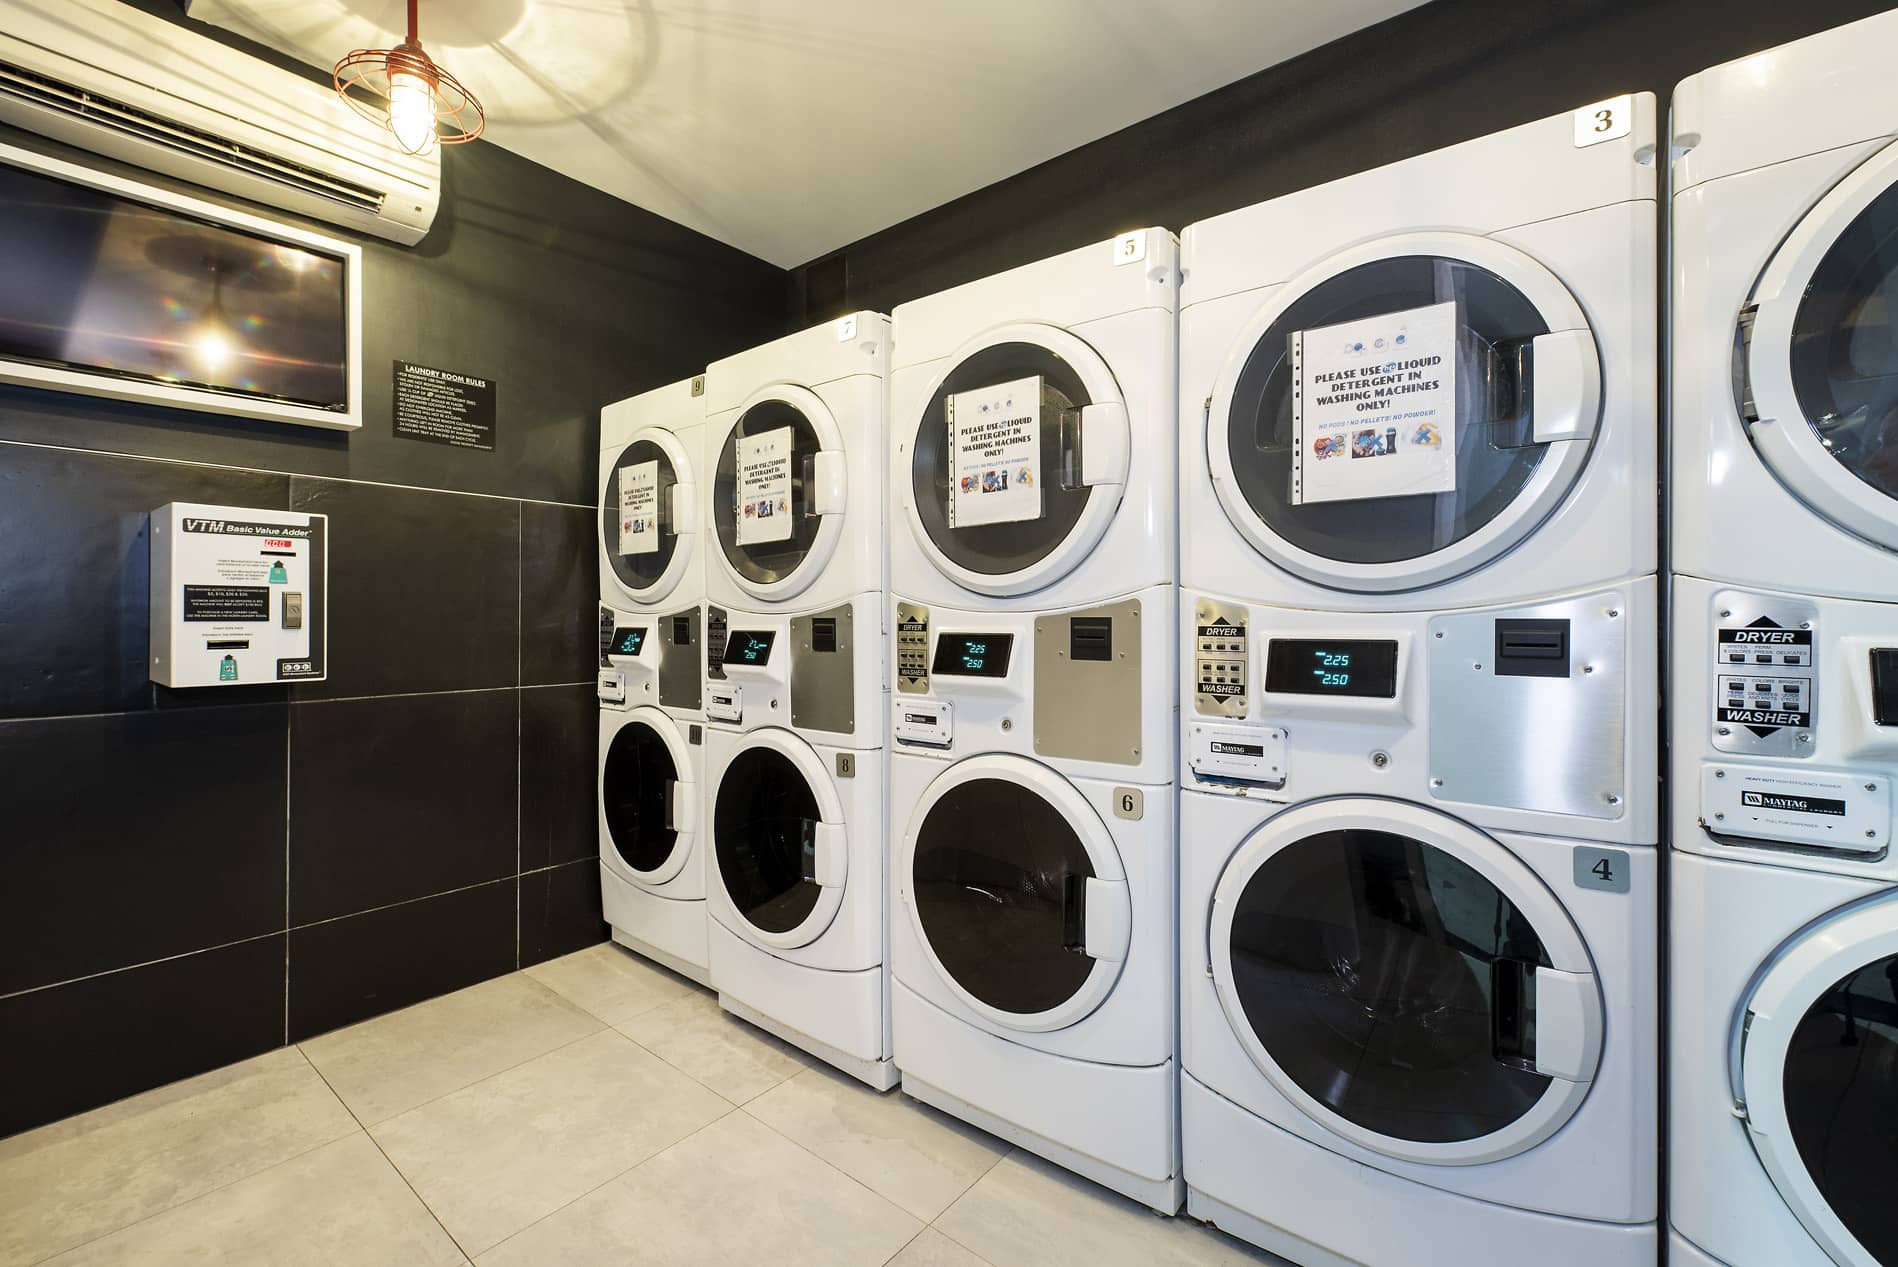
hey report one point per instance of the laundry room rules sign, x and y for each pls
(1375, 409)
(443, 407)
(995, 454)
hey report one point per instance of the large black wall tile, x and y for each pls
(560, 592)
(133, 836)
(424, 590)
(560, 911)
(397, 798)
(560, 728)
(76, 1046)
(348, 969)
(75, 571)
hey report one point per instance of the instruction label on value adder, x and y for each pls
(995, 454)
(639, 508)
(764, 487)
(1375, 410)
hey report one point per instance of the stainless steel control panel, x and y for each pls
(1220, 659)
(912, 648)
(1766, 675)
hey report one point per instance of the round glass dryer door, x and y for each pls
(1818, 1074)
(778, 492)
(1404, 413)
(644, 805)
(1406, 981)
(778, 840)
(646, 507)
(1017, 893)
(1818, 354)
(1018, 460)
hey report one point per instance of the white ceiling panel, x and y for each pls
(789, 128)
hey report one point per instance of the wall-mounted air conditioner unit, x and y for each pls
(106, 77)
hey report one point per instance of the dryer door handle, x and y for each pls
(681, 807)
(685, 510)
(1104, 447)
(1566, 377)
(826, 482)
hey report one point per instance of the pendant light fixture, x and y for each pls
(403, 90)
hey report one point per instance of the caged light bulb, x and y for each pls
(412, 111)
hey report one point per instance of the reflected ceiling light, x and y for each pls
(403, 90)
(213, 340)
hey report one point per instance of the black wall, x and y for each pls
(1439, 74)
(195, 877)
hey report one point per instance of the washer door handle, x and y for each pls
(1096, 918)
(826, 854)
(1568, 1025)
(681, 807)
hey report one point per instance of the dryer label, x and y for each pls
(995, 454)
(763, 512)
(1374, 414)
(639, 508)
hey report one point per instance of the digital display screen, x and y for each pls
(1331, 666)
(750, 646)
(628, 641)
(102, 284)
(973, 655)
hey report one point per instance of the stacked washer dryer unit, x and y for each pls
(1031, 777)
(1419, 751)
(796, 690)
(652, 590)
(1783, 955)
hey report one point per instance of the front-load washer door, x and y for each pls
(779, 492)
(779, 840)
(1404, 413)
(1816, 352)
(1017, 893)
(1405, 980)
(1018, 460)
(648, 514)
(647, 804)
(1815, 1070)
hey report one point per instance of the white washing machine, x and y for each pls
(796, 696)
(1350, 442)
(1784, 956)
(1419, 960)
(1032, 771)
(794, 444)
(1419, 881)
(652, 871)
(793, 804)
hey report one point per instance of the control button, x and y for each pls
(1735, 657)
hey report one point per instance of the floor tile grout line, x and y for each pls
(730, 1109)
(940, 1231)
(377, 1145)
(827, 1163)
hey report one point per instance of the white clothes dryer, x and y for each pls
(649, 499)
(1031, 459)
(652, 864)
(793, 804)
(794, 447)
(1785, 353)
(1033, 929)
(1432, 384)
(1419, 932)
(1785, 655)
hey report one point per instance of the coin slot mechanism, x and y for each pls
(1532, 648)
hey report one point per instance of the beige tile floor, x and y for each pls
(595, 1109)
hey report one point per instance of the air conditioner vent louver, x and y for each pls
(38, 90)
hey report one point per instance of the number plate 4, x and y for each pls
(1605, 870)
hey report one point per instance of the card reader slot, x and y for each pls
(1532, 648)
(228, 644)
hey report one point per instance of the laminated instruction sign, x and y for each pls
(763, 512)
(1375, 410)
(995, 454)
(639, 508)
